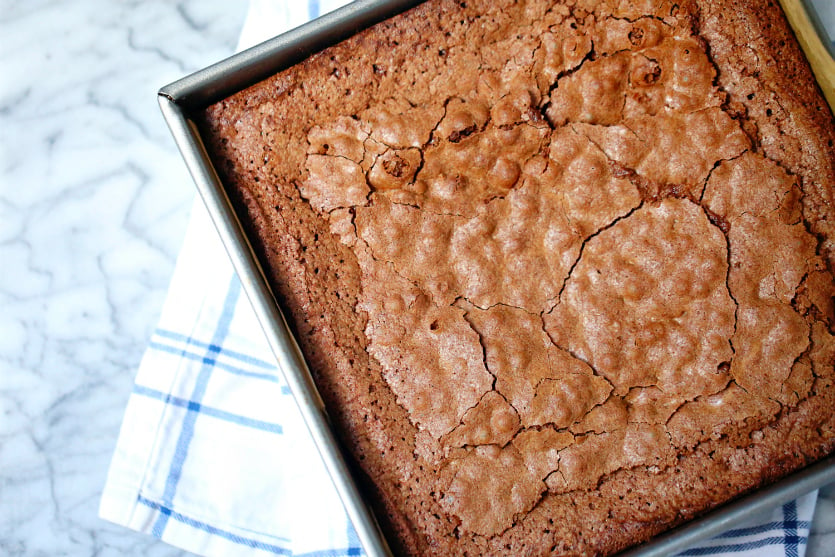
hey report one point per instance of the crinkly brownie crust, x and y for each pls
(561, 270)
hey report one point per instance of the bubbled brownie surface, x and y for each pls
(561, 270)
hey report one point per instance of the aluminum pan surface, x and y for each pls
(197, 91)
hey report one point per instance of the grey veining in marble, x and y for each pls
(93, 205)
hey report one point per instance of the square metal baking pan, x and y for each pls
(183, 99)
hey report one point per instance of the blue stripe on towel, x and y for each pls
(739, 532)
(249, 542)
(211, 361)
(187, 430)
(167, 512)
(735, 548)
(791, 539)
(208, 410)
(245, 358)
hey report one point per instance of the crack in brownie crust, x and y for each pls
(561, 270)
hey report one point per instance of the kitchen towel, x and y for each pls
(213, 456)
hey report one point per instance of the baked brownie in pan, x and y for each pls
(561, 271)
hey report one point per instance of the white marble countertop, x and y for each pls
(93, 205)
(94, 201)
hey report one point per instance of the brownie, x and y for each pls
(562, 271)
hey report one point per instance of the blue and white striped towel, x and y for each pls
(213, 456)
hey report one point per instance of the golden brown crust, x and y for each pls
(562, 271)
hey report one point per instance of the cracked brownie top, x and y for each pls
(534, 253)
